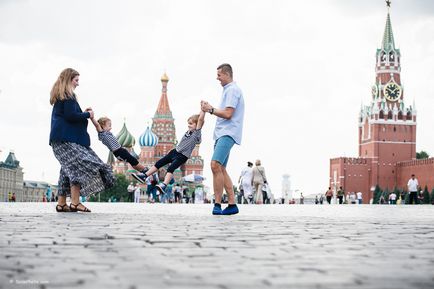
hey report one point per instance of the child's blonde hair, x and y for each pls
(194, 118)
(103, 120)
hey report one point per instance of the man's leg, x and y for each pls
(228, 187)
(218, 181)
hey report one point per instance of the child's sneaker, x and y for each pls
(141, 178)
(217, 210)
(230, 210)
(161, 188)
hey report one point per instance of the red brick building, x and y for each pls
(387, 134)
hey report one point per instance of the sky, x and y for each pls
(305, 68)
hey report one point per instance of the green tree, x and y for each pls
(397, 193)
(432, 196)
(386, 194)
(407, 198)
(426, 198)
(118, 191)
(377, 194)
(422, 155)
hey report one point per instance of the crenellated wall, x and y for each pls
(423, 169)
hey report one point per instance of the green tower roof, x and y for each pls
(388, 40)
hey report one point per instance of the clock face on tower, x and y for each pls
(392, 91)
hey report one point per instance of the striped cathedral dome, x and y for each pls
(148, 138)
(125, 138)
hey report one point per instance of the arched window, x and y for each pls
(389, 115)
(400, 115)
(381, 114)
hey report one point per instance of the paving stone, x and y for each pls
(183, 246)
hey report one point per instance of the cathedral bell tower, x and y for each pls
(387, 128)
(163, 123)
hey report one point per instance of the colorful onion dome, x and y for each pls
(148, 138)
(165, 78)
(125, 139)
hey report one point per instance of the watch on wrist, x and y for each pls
(211, 111)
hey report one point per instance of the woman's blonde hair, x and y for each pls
(62, 88)
(103, 120)
(194, 118)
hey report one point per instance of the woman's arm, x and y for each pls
(71, 112)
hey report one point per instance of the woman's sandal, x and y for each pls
(63, 208)
(75, 208)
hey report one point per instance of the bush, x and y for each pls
(432, 196)
(118, 191)
(426, 198)
(377, 195)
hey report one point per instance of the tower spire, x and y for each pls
(388, 40)
(163, 108)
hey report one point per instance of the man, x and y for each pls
(392, 198)
(246, 179)
(329, 195)
(412, 185)
(359, 198)
(340, 194)
(227, 132)
(131, 188)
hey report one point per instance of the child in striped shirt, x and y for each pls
(103, 126)
(179, 155)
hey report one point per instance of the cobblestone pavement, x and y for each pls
(184, 246)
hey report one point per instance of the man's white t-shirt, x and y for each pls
(359, 195)
(247, 175)
(413, 185)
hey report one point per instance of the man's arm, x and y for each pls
(225, 113)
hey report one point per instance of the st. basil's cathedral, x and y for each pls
(387, 134)
(156, 142)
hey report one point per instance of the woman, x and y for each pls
(82, 172)
(259, 180)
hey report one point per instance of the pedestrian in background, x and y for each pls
(130, 190)
(137, 194)
(329, 195)
(412, 186)
(259, 179)
(246, 179)
(340, 195)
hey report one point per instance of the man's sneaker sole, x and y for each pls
(138, 178)
(160, 189)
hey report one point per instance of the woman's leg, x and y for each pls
(61, 200)
(75, 194)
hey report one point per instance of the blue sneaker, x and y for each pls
(217, 210)
(141, 178)
(230, 210)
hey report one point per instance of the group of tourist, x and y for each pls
(253, 186)
(82, 172)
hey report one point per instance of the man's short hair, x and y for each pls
(226, 68)
(249, 164)
(412, 175)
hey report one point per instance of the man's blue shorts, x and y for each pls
(222, 149)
